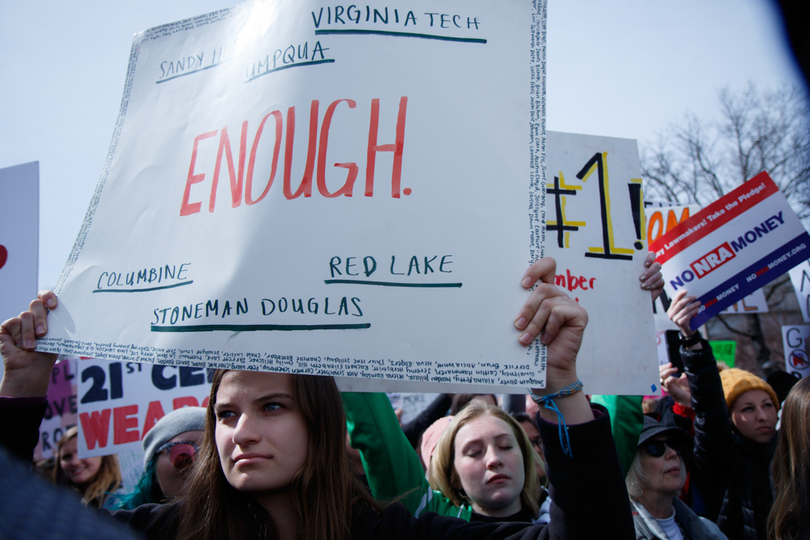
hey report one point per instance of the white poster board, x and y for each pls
(595, 231)
(19, 238)
(661, 347)
(305, 188)
(734, 246)
(794, 339)
(119, 402)
(800, 277)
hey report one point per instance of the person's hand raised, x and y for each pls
(27, 372)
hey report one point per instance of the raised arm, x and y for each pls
(577, 511)
(560, 323)
(391, 464)
(26, 377)
(27, 373)
(435, 410)
(713, 440)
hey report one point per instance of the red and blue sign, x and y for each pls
(732, 247)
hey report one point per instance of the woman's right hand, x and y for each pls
(681, 311)
(27, 373)
(677, 387)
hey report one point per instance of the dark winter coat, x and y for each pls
(731, 474)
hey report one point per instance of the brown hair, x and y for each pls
(107, 479)
(324, 491)
(791, 466)
(443, 474)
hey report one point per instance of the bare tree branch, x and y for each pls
(698, 160)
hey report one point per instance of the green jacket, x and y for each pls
(393, 469)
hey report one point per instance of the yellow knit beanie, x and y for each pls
(736, 381)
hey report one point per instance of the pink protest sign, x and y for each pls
(60, 414)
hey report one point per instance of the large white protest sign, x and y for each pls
(302, 187)
(19, 238)
(119, 402)
(800, 277)
(732, 247)
(595, 231)
(794, 339)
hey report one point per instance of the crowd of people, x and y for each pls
(289, 456)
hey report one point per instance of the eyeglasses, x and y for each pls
(181, 453)
(657, 448)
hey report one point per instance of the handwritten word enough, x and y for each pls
(237, 174)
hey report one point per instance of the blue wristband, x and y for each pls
(548, 402)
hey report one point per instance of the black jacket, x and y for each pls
(731, 474)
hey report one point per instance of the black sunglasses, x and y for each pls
(657, 448)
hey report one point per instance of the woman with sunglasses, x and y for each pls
(273, 461)
(655, 479)
(169, 451)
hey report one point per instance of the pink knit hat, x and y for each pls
(431, 437)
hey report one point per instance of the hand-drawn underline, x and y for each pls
(144, 290)
(259, 327)
(390, 283)
(358, 31)
(331, 60)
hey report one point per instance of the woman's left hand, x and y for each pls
(651, 279)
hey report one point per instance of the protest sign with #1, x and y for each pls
(737, 244)
(344, 191)
(595, 232)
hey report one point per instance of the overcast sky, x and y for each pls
(624, 68)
